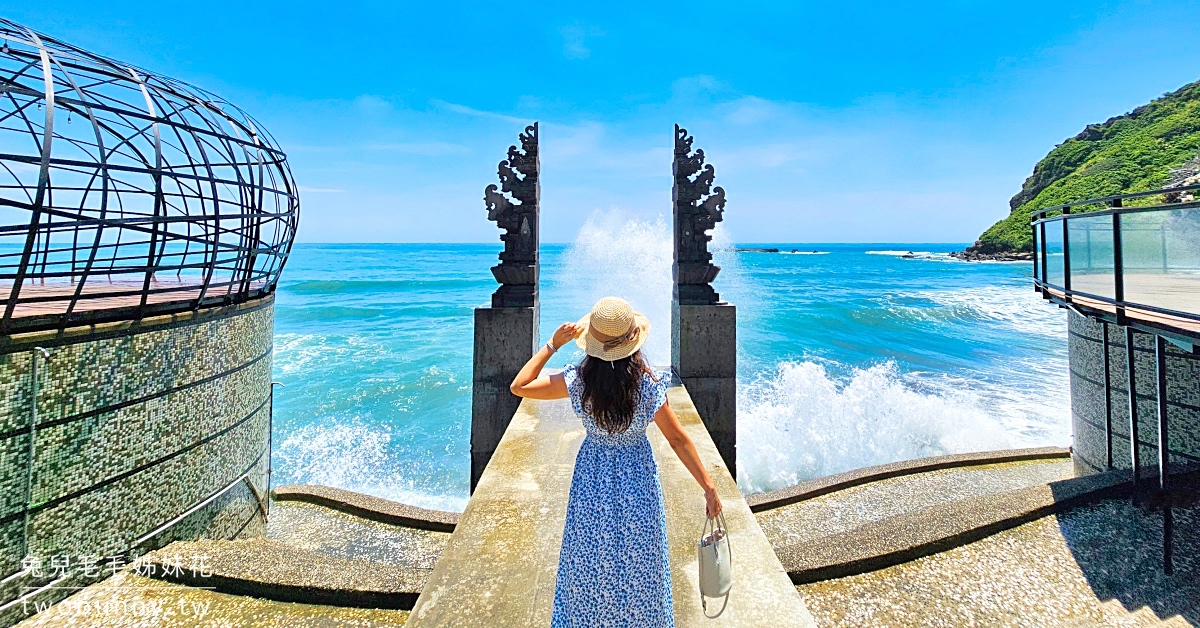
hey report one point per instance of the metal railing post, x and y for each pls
(1036, 247)
(1118, 266)
(1066, 211)
(1164, 453)
(1108, 427)
(1135, 456)
(1045, 256)
(271, 443)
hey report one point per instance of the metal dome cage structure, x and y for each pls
(125, 194)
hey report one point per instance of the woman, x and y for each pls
(613, 568)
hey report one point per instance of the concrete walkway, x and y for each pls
(501, 563)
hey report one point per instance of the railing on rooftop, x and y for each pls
(1132, 258)
(125, 194)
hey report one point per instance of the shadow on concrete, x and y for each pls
(1118, 546)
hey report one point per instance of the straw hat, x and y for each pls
(613, 331)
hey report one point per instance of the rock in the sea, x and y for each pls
(983, 252)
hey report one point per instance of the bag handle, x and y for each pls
(711, 523)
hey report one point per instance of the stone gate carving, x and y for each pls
(698, 207)
(513, 206)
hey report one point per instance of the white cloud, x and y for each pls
(876, 169)
(470, 111)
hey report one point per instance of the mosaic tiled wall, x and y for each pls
(135, 426)
(1088, 403)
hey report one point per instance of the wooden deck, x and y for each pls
(1174, 291)
(103, 294)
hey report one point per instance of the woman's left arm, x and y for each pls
(530, 383)
(669, 425)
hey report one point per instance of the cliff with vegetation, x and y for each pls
(1145, 149)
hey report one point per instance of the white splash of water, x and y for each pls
(891, 253)
(917, 255)
(627, 257)
(357, 456)
(799, 423)
(336, 454)
(294, 353)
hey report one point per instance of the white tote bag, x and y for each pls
(716, 566)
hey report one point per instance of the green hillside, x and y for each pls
(1129, 153)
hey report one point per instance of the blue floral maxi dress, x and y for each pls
(613, 569)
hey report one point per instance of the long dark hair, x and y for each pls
(611, 390)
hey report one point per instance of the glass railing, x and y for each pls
(1091, 263)
(1133, 252)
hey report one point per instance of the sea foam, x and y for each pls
(626, 257)
(362, 457)
(798, 422)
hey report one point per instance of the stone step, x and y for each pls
(309, 527)
(942, 477)
(1062, 570)
(876, 524)
(130, 601)
(312, 554)
(270, 569)
(29, 594)
(367, 507)
(839, 503)
(1139, 617)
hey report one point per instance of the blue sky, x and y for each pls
(826, 121)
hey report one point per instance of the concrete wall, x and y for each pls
(1088, 402)
(704, 356)
(137, 423)
(505, 338)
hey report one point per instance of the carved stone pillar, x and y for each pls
(506, 333)
(703, 328)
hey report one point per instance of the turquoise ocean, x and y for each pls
(848, 354)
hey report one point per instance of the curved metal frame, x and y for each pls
(152, 196)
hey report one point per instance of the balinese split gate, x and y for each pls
(500, 566)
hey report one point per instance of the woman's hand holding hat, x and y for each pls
(566, 333)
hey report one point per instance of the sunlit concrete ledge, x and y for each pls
(500, 565)
(857, 477)
(368, 507)
(935, 529)
(268, 569)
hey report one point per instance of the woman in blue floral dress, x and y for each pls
(614, 569)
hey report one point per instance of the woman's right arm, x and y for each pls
(530, 382)
(669, 425)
